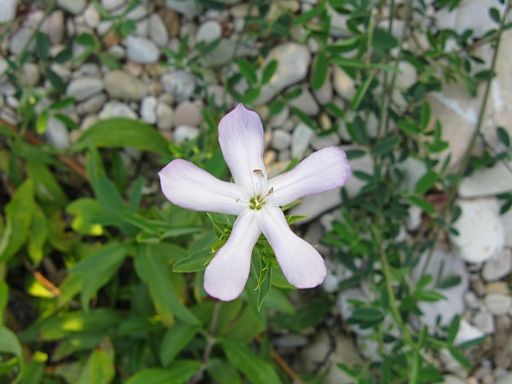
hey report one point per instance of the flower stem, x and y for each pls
(393, 306)
(209, 345)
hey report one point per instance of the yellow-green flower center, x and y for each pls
(257, 202)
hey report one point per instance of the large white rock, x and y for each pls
(469, 14)
(158, 31)
(487, 181)
(301, 138)
(481, 232)
(293, 63)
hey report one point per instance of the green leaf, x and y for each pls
(19, 214)
(153, 269)
(459, 356)
(10, 344)
(200, 253)
(42, 45)
(276, 107)
(99, 268)
(319, 71)
(175, 339)
(85, 211)
(256, 369)
(429, 296)
(223, 372)
(426, 113)
(37, 236)
(67, 121)
(247, 71)
(123, 133)
(35, 370)
(383, 40)
(86, 39)
(46, 187)
(424, 205)
(55, 80)
(408, 127)
(386, 145)
(42, 122)
(64, 55)
(63, 103)
(99, 368)
(426, 182)
(304, 317)
(503, 136)
(453, 328)
(367, 314)
(306, 16)
(250, 95)
(494, 14)
(361, 92)
(268, 72)
(179, 373)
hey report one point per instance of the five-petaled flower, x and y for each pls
(256, 201)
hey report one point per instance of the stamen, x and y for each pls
(271, 190)
(259, 172)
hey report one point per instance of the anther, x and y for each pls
(271, 190)
(259, 172)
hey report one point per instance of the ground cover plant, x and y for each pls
(102, 279)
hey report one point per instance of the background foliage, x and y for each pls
(101, 280)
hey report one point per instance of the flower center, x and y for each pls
(257, 202)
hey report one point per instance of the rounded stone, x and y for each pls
(187, 113)
(121, 85)
(142, 50)
(84, 87)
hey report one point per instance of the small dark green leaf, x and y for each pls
(361, 92)
(495, 14)
(64, 55)
(424, 205)
(42, 45)
(367, 314)
(55, 80)
(269, 71)
(503, 136)
(86, 39)
(453, 328)
(425, 115)
(383, 40)
(386, 145)
(250, 95)
(426, 182)
(247, 71)
(459, 356)
(319, 71)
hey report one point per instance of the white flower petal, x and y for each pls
(321, 171)
(226, 275)
(302, 265)
(241, 140)
(191, 187)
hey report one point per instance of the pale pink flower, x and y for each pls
(256, 201)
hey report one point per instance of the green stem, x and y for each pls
(209, 345)
(393, 306)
